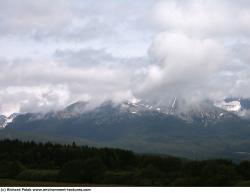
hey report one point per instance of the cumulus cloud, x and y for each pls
(56, 52)
(32, 85)
(200, 52)
(182, 64)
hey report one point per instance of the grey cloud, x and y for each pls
(204, 18)
(199, 53)
(67, 77)
(97, 57)
(115, 33)
(96, 50)
(63, 20)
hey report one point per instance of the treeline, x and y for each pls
(83, 164)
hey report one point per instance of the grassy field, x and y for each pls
(243, 184)
(20, 183)
(11, 182)
(23, 183)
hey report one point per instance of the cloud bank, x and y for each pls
(201, 51)
(57, 52)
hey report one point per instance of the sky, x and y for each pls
(53, 53)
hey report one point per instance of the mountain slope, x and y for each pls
(198, 133)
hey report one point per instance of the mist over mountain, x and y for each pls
(168, 77)
(156, 50)
(207, 131)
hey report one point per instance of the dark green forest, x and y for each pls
(31, 161)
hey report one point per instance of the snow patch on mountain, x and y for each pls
(4, 121)
(204, 113)
(231, 106)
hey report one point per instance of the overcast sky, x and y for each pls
(57, 52)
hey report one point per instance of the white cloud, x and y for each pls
(199, 54)
(204, 18)
(57, 52)
(51, 83)
(182, 61)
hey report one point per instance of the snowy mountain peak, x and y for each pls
(206, 112)
(4, 121)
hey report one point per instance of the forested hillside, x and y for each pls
(32, 161)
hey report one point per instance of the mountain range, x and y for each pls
(208, 130)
